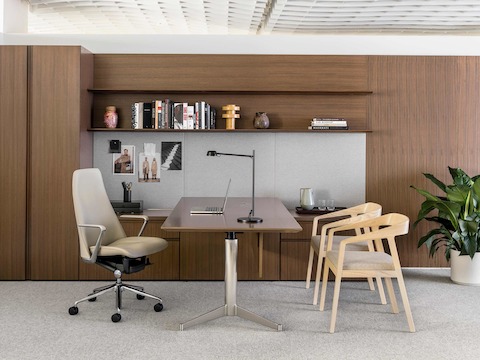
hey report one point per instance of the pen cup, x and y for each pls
(127, 195)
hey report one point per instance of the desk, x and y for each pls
(276, 218)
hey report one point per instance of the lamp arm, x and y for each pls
(242, 155)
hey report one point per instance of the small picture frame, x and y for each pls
(124, 162)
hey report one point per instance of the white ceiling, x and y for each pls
(254, 17)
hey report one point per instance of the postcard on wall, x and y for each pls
(171, 155)
(124, 163)
(148, 170)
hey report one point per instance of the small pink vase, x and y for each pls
(110, 118)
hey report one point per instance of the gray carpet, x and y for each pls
(35, 324)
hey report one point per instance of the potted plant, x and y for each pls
(457, 215)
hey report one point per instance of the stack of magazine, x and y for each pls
(319, 123)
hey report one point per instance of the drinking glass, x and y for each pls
(330, 205)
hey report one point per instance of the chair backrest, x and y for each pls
(387, 227)
(92, 206)
(370, 208)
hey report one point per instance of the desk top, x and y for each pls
(276, 218)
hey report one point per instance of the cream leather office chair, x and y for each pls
(355, 264)
(103, 240)
(318, 241)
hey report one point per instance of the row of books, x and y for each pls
(318, 123)
(167, 114)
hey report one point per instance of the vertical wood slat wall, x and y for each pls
(59, 115)
(424, 115)
(13, 149)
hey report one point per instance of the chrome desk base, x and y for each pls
(231, 308)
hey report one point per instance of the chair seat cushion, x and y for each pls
(133, 246)
(336, 241)
(363, 260)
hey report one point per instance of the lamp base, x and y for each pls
(250, 219)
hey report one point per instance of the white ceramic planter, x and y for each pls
(463, 269)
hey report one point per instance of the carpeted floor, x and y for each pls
(35, 324)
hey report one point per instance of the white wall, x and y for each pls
(267, 44)
(332, 164)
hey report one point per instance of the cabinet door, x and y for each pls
(202, 256)
(294, 251)
(13, 147)
(58, 76)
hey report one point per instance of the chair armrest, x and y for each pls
(351, 223)
(138, 217)
(98, 244)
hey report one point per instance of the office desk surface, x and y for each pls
(276, 218)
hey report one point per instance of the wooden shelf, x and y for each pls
(230, 131)
(229, 92)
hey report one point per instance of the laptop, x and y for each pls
(211, 209)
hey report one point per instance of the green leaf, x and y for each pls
(460, 177)
(437, 182)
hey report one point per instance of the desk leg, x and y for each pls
(231, 308)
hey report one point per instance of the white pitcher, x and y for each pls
(306, 198)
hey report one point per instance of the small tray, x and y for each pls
(316, 211)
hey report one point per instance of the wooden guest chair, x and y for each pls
(104, 242)
(318, 242)
(360, 264)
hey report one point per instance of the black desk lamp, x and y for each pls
(251, 216)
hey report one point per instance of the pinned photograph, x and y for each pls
(171, 155)
(124, 162)
(149, 169)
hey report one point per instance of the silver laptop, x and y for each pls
(212, 209)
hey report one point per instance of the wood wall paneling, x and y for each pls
(267, 74)
(55, 118)
(423, 115)
(231, 72)
(13, 147)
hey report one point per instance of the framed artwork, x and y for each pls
(124, 163)
(171, 155)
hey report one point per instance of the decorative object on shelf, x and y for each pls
(458, 223)
(230, 115)
(306, 198)
(251, 215)
(261, 121)
(110, 118)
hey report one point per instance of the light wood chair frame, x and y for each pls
(371, 210)
(387, 227)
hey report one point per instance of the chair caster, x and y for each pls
(140, 297)
(116, 317)
(92, 299)
(73, 310)
(158, 307)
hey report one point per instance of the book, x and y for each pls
(158, 115)
(168, 111)
(137, 115)
(329, 122)
(200, 115)
(190, 117)
(178, 115)
(321, 122)
(327, 119)
(147, 115)
(327, 127)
